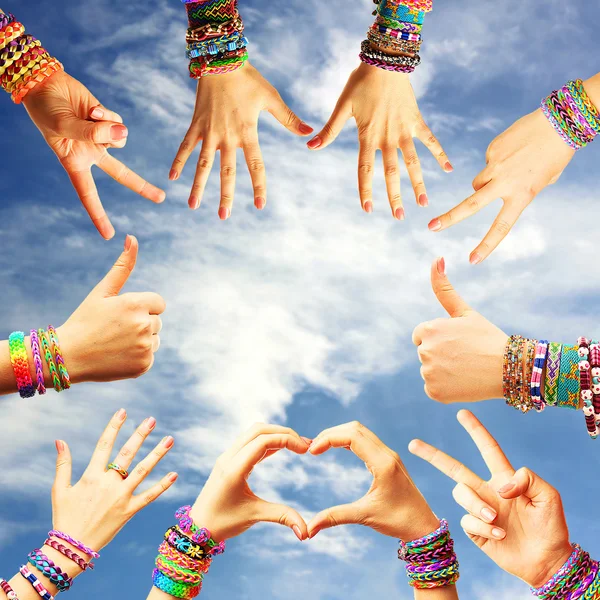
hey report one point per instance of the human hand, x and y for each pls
(521, 162)
(516, 518)
(110, 336)
(225, 119)
(80, 130)
(388, 117)
(393, 505)
(462, 357)
(226, 506)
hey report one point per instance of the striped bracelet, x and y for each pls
(36, 583)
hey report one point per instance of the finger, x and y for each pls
(103, 132)
(392, 180)
(446, 464)
(186, 148)
(228, 171)
(366, 165)
(504, 222)
(149, 301)
(134, 443)
(131, 180)
(256, 168)
(431, 142)
(473, 504)
(101, 113)
(476, 527)
(142, 500)
(284, 114)
(333, 127)
(155, 342)
(447, 296)
(117, 277)
(155, 324)
(247, 458)
(284, 515)
(145, 466)
(526, 483)
(419, 334)
(415, 173)
(466, 208)
(203, 169)
(255, 431)
(84, 185)
(63, 465)
(489, 448)
(344, 514)
(101, 456)
(482, 179)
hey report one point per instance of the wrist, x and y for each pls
(551, 565)
(201, 518)
(72, 355)
(421, 524)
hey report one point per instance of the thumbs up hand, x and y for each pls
(111, 336)
(461, 356)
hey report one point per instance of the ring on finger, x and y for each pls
(124, 473)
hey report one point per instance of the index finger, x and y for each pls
(247, 458)
(366, 163)
(101, 456)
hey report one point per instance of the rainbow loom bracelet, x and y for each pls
(552, 371)
(183, 544)
(60, 361)
(20, 364)
(5, 587)
(174, 588)
(585, 105)
(50, 360)
(541, 352)
(200, 535)
(48, 568)
(67, 538)
(36, 583)
(595, 364)
(568, 378)
(80, 562)
(37, 359)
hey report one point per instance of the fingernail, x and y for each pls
(498, 533)
(305, 129)
(60, 446)
(435, 225)
(172, 476)
(168, 442)
(297, 532)
(121, 414)
(307, 440)
(475, 258)
(399, 214)
(194, 203)
(506, 488)
(118, 132)
(423, 200)
(150, 423)
(259, 203)
(128, 242)
(369, 207)
(97, 113)
(315, 142)
(448, 167)
(441, 266)
(311, 534)
(224, 213)
(172, 174)
(488, 514)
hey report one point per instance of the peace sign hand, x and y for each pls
(516, 518)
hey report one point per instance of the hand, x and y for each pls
(225, 119)
(227, 506)
(80, 130)
(516, 518)
(97, 507)
(521, 162)
(393, 505)
(462, 357)
(388, 118)
(111, 337)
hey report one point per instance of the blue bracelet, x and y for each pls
(36, 583)
(400, 12)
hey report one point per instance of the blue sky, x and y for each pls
(302, 314)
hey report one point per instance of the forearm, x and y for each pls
(448, 592)
(156, 594)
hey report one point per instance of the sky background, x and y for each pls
(301, 314)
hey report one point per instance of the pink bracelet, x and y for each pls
(595, 364)
(80, 562)
(37, 359)
(10, 593)
(585, 386)
(73, 542)
(36, 583)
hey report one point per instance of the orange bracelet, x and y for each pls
(11, 32)
(37, 75)
(11, 76)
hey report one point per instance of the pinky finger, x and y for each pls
(99, 113)
(475, 527)
(148, 497)
(434, 146)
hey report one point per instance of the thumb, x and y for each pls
(63, 465)
(526, 483)
(117, 277)
(333, 127)
(286, 116)
(344, 514)
(100, 132)
(284, 515)
(447, 296)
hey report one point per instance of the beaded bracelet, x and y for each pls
(595, 372)
(552, 371)
(67, 552)
(395, 33)
(20, 364)
(568, 378)
(67, 538)
(585, 385)
(43, 338)
(36, 583)
(213, 49)
(384, 42)
(60, 361)
(211, 30)
(5, 587)
(37, 359)
(407, 61)
(52, 571)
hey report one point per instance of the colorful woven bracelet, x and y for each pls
(202, 68)
(11, 32)
(585, 105)
(399, 12)
(67, 538)
(68, 553)
(6, 19)
(36, 583)
(418, 5)
(552, 372)
(406, 61)
(185, 562)
(398, 25)
(526, 401)
(214, 49)
(585, 385)
(16, 50)
(595, 372)
(44, 339)
(395, 33)
(560, 110)
(557, 127)
(177, 573)
(200, 535)
(380, 64)
(541, 352)
(50, 570)
(60, 361)
(215, 30)
(178, 540)
(37, 359)
(174, 588)
(568, 378)
(42, 71)
(398, 45)
(20, 364)
(593, 592)
(20, 67)
(5, 587)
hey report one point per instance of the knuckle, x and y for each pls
(473, 203)
(396, 199)
(228, 171)
(256, 165)
(127, 452)
(141, 471)
(412, 159)
(204, 163)
(391, 170)
(357, 426)
(103, 444)
(327, 131)
(502, 227)
(366, 168)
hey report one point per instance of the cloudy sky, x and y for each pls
(301, 314)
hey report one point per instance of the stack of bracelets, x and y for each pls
(23, 62)
(577, 578)
(430, 560)
(37, 561)
(572, 114)
(41, 342)
(184, 557)
(215, 37)
(394, 40)
(572, 377)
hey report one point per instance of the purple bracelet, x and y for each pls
(547, 587)
(67, 538)
(434, 566)
(50, 569)
(578, 114)
(5, 19)
(383, 65)
(37, 359)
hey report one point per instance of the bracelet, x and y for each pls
(552, 371)
(528, 374)
(419, 5)
(395, 33)
(557, 127)
(5, 587)
(42, 71)
(12, 74)
(171, 554)
(585, 386)
(5, 19)
(200, 535)
(211, 48)
(16, 50)
(398, 45)
(67, 538)
(584, 104)
(48, 568)
(568, 378)
(398, 25)
(36, 583)
(214, 30)
(11, 32)
(60, 361)
(374, 62)
(595, 371)
(37, 359)
(202, 68)
(67, 552)
(541, 352)
(20, 364)
(559, 109)
(183, 544)
(174, 588)
(407, 61)
(172, 570)
(50, 360)
(211, 11)
(399, 12)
